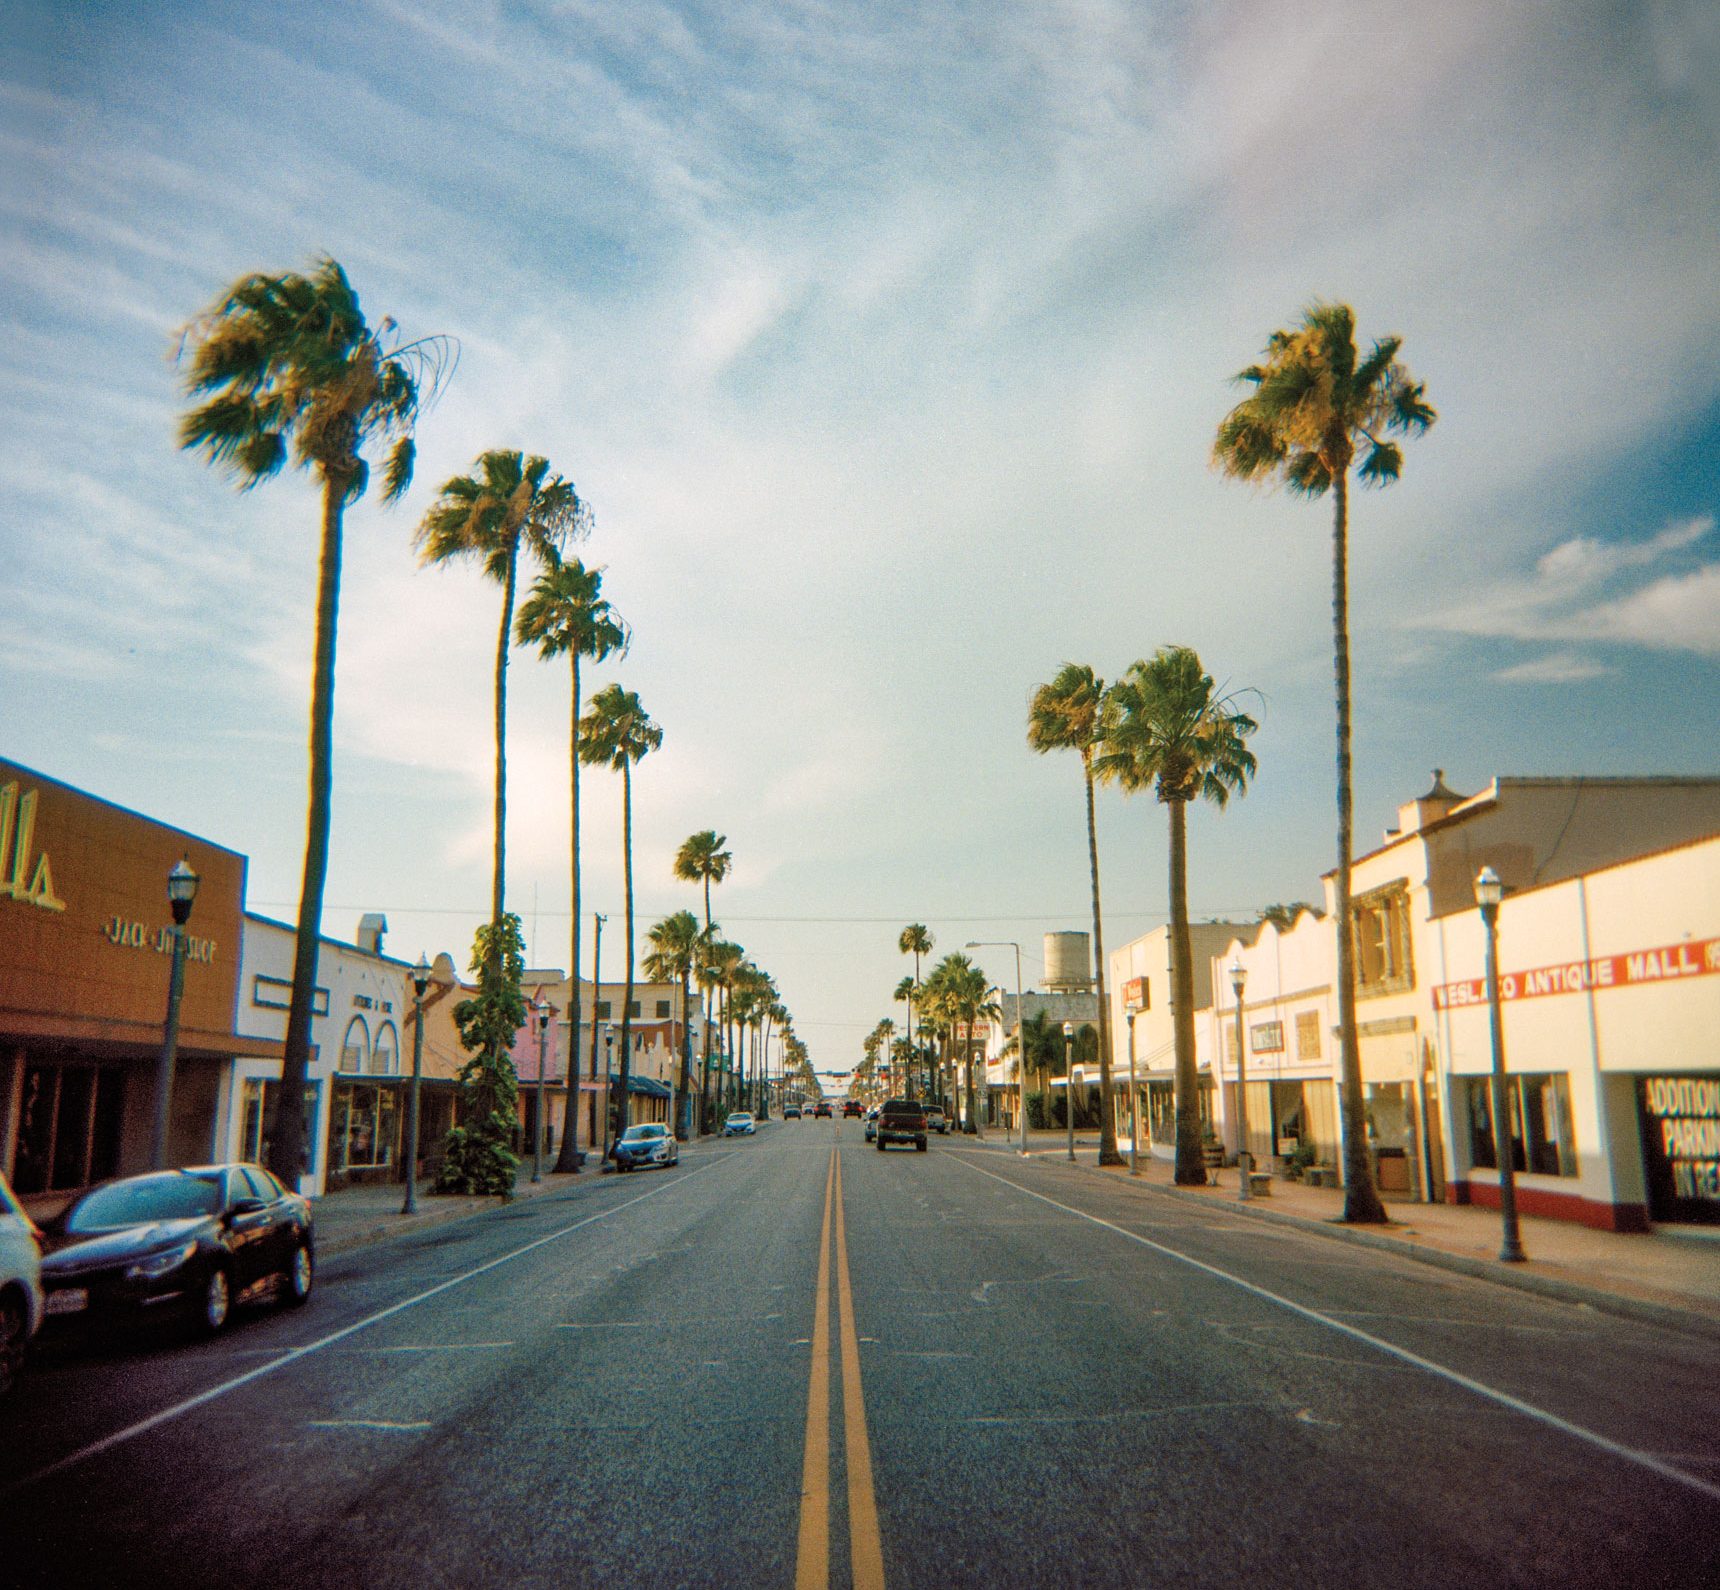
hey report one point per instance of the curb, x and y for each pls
(1688, 1319)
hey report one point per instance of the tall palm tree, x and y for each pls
(955, 1000)
(616, 732)
(905, 993)
(916, 940)
(567, 615)
(286, 367)
(1067, 715)
(1168, 727)
(506, 501)
(1316, 407)
(674, 947)
(724, 961)
(702, 858)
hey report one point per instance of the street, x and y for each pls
(795, 1360)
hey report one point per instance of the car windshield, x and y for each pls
(636, 1134)
(741, 1119)
(143, 1199)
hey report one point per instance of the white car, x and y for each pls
(740, 1124)
(20, 1285)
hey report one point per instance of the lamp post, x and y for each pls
(1244, 1160)
(420, 982)
(1020, 1032)
(1489, 891)
(608, 1089)
(1069, 1084)
(542, 1009)
(181, 891)
(1131, 1012)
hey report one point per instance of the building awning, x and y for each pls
(650, 1087)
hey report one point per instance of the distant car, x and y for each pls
(20, 1286)
(852, 1107)
(740, 1124)
(872, 1124)
(936, 1120)
(902, 1121)
(822, 1108)
(194, 1242)
(646, 1143)
(791, 1112)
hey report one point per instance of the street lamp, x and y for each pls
(543, 1010)
(420, 982)
(181, 891)
(1489, 891)
(608, 1088)
(1069, 1084)
(1020, 1030)
(1131, 1011)
(1244, 1160)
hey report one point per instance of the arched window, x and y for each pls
(355, 1047)
(385, 1053)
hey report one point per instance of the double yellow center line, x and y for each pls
(865, 1545)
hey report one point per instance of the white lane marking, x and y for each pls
(608, 1325)
(1479, 1388)
(368, 1424)
(293, 1355)
(436, 1347)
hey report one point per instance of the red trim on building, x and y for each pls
(1551, 1205)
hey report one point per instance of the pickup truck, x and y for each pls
(902, 1121)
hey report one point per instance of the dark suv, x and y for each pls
(902, 1121)
(851, 1107)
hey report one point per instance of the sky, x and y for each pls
(886, 343)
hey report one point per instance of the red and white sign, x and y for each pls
(1694, 958)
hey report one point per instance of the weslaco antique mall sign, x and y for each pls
(1693, 958)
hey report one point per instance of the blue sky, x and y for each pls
(887, 344)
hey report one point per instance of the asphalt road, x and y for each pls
(797, 1361)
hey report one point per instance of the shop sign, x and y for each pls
(1266, 1037)
(1136, 995)
(1681, 1133)
(19, 879)
(1693, 958)
(140, 936)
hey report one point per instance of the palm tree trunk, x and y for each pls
(1190, 1163)
(684, 1104)
(1108, 1154)
(1361, 1199)
(287, 1134)
(567, 1160)
(496, 888)
(627, 877)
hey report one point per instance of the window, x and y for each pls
(603, 1009)
(355, 1047)
(276, 993)
(633, 1007)
(69, 1125)
(1542, 1139)
(1308, 1035)
(1381, 928)
(259, 1102)
(662, 1009)
(364, 1127)
(385, 1053)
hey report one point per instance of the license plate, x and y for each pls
(69, 1300)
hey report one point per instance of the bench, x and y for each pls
(1260, 1183)
(1321, 1175)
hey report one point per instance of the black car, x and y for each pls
(822, 1108)
(177, 1242)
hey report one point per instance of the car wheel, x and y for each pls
(215, 1305)
(11, 1341)
(920, 1143)
(301, 1274)
(881, 1145)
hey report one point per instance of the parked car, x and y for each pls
(791, 1112)
(872, 1123)
(852, 1107)
(646, 1143)
(740, 1124)
(902, 1121)
(822, 1108)
(193, 1242)
(20, 1286)
(936, 1120)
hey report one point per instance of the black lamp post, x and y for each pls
(1069, 1084)
(181, 891)
(1489, 891)
(543, 1010)
(420, 982)
(1244, 1160)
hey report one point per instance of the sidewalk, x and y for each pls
(1670, 1276)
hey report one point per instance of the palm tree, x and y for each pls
(567, 615)
(1316, 406)
(1168, 727)
(507, 500)
(615, 732)
(674, 947)
(1066, 715)
(916, 940)
(723, 961)
(1042, 1039)
(288, 367)
(955, 998)
(702, 859)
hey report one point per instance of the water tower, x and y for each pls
(1068, 964)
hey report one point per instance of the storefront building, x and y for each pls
(86, 940)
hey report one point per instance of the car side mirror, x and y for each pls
(246, 1206)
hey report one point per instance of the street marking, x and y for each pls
(812, 1553)
(295, 1354)
(367, 1424)
(1456, 1377)
(608, 1325)
(436, 1347)
(865, 1543)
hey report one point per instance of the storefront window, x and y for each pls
(364, 1129)
(258, 1101)
(1542, 1138)
(68, 1127)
